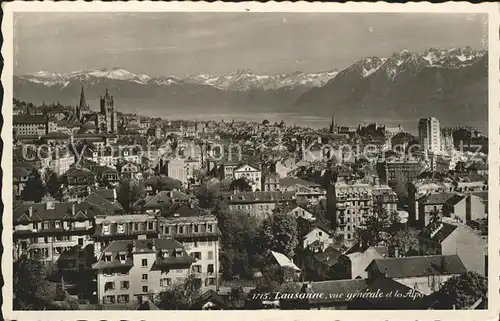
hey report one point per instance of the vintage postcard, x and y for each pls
(262, 159)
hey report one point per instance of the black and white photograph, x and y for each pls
(241, 159)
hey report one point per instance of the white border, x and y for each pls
(491, 9)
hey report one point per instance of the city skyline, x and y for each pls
(194, 43)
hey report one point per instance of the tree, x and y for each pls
(34, 189)
(240, 243)
(241, 184)
(123, 196)
(404, 240)
(378, 227)
(279, 233)
(32, 290)
(53, 185)
(462, 291)
(180, 296)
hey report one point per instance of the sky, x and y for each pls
(178, 44)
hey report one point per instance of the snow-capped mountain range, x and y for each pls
(239, 80)
(242, 80)
(445, 83)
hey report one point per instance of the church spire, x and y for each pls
(83, 102)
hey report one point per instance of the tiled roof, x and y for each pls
(404, 267)
(259, 197)
(109, 207)
(438, 231)
(20, 172)
(61, 211)
(328, 257)
(455, 199)
(79, 172)
(437, 198)
(29, 119)
(106, 193)
(290, 181)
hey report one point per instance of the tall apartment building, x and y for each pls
(399, 171)
(128, 271)
(198, 234)
(57, 233)
(354, 203)
(429, 134)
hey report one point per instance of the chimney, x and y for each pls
(50, 205)
(73, 209)
(114, 194)
(396, 252)
(31, 211)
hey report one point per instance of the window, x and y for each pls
(196, 268)
(210, 228)
(107, 258)
(320, 233)
(108, 299)
(144, 262)
(144, 277)
(57, 224)
(80, 241)
(210, 255)
(181, 229)
(210, 268)
(46, 225)
(124, 285)
(136, 226)
(109, 286)
(150, 225)
(35, 226)
(166, 230)
(121, 228)
(196, 229)
(196, 255)
(105, 229)
(122, 257)
(123, 298)
(145, 289)
(210, 243)
(165, 282)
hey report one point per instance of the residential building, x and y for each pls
(425, 274)
(429, 134)
(176, 169)
(386, 196)
(453, 238)
(200, 236)
(354, 203)
(271, 182)
(356, 261)
(317, 236)
(30, 125)
(55, 233)
(128, 271)
(398, 173)
(258, 204)
(466, 208)
(80, 176)
(430, 206)
(297, 211)
(20, 176)
(251, 174)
